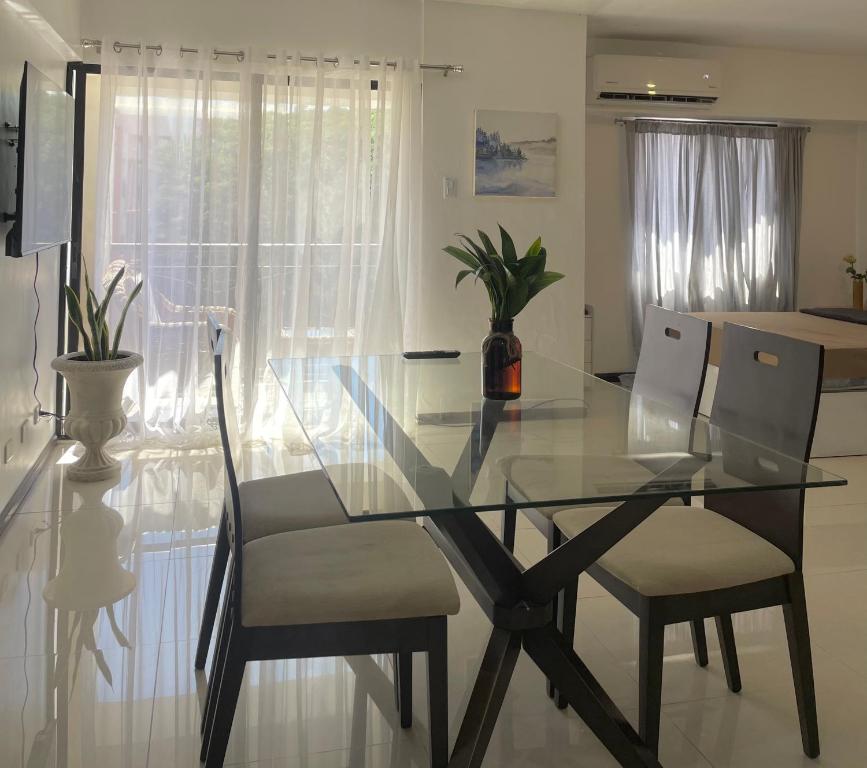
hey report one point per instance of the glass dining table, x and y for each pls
(425, 423)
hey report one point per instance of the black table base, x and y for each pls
(518, 602)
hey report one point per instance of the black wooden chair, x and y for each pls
(741, 551)
(671, 370)
(289, 503)
(355, 589)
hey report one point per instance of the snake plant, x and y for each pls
(511, 282)
(96, 341)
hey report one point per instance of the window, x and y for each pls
(715, 214)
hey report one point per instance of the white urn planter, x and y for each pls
(95, 414)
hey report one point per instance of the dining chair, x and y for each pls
(354, 589)
(283, 503)
(671, 369)
(739, 552)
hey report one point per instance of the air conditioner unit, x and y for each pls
(655, 79)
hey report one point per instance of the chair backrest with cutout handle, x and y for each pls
(768, 392)
(673, 358)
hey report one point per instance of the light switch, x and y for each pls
(450, 186)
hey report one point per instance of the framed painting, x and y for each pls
(515, 154)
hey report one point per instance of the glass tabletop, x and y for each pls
(402, 438)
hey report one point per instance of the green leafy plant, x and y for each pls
(96, 341)
(511, 282)
(850, 269)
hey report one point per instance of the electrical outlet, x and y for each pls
(8, 451)
(35, 415)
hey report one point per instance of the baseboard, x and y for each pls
(26, 484)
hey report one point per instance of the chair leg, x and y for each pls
(699, 641)
(438, 698)
(217, 739)
(215, 584)
(566, 624)
(216, 664)
(555, 539)
(403, 681)
(650, 656)
(798, 634)
(395, 665)
(729, 651)
(510, 522)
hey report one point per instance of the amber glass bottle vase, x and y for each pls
(501, 362)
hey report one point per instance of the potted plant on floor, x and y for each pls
(511, 283)
(96, 378)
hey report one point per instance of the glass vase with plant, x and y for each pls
(510, 282)
(857, 282)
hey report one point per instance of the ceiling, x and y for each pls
(828, 26)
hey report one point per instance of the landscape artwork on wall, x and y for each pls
(515, 154)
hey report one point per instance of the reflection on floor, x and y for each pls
(101, 589)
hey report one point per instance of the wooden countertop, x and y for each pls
(845, 343)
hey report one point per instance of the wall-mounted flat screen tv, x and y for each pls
(43, 194)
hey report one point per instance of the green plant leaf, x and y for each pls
(519, 295)
(462, 256)
(103, 341)
(486, 241)
(532, 266)
(542, 282)
(103, 308)
(95, 330)
(74, 309)
(535, 247)
(493, 277)
(119, 332)
(510, 255)
(461, 275)
(480, 252)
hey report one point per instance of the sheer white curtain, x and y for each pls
(715, 215)
(280, 195)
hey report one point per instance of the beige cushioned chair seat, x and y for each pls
(304, 500)
(557, 476)
(356, 572)
(679, 550)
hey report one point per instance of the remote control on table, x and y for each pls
(431, 354)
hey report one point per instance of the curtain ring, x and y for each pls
(117, 48)
(159, 50)
(138, 48)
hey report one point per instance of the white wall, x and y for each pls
(828, 215)
(316, 26)
(515, 60)
(828, 93)
(25, 33)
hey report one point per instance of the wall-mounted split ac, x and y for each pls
(655, 79)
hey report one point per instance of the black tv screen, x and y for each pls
(43, 192)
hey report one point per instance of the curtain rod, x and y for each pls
(118, 47)
(757, 124)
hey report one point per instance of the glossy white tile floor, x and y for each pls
(96, 669)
